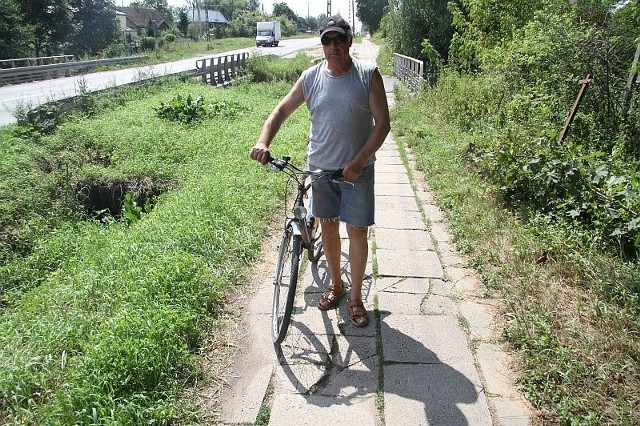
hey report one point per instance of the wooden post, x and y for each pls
(585, 83)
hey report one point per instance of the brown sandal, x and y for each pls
(358, 313)
(330, 298)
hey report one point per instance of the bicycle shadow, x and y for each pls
(330, 362)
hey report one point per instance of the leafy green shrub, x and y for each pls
(115, 50)
(187, 110)
(169, 37)
(147, 43)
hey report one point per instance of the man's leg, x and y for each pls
(332, 251)
(358, 254)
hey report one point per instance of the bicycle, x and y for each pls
(300, 232)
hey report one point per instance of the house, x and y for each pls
(209, 16)
(127, 33)
(138, 18)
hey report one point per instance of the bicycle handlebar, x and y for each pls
(284, 162)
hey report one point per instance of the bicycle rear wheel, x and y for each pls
(284, 285)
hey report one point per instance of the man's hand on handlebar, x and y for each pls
(352, 170)
(260, 152)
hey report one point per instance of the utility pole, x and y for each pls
(328, 8)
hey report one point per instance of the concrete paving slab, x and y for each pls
(425, 339)
(390, 178)
(403, 239)
(298, 410)
(390, 168)
(351, 350)
(433, 213)
(479, 317)
(436, 395)
(396, 204)
(511, 412)
(440, 232)
(398, 189)
(360, 379)
(401, 303)
(261, 302)
(439, 305)
(403, 285)
(406, 263)
(298, 379)
(244, 404)
(388, 160)
(499, 378)
(312, 320)
(400, 220)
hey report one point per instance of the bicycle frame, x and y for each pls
(300, 212)
(298, 235)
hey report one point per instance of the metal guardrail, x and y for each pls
(221, 70)
(41, 72)
(41, 60)
(410, 71)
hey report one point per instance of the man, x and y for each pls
(349, 122)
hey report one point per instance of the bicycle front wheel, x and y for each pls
(284, 285)
(315, 240)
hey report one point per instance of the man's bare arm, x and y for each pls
(382, 126)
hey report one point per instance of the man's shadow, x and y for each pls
(343, 363)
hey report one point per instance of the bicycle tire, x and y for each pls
(315, 236)
(284, 289)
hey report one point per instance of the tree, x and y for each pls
(97, 27)
(15, 36)
(371, 12)
(409, 22)
(183, 22)
(51, 22)
(281, 9)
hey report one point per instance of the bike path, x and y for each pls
(429, 355)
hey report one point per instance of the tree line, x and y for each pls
(32, 28)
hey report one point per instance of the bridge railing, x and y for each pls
(410, 72)
(221, 70)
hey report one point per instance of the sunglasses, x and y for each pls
(341, 38)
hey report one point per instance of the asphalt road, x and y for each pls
(30, 95)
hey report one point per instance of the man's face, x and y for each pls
(335, 45)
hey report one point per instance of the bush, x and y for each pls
(147, 43)
(113, 51)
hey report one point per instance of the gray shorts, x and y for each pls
(351, 204)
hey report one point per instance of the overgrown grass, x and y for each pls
(102, 318)
(571, 311)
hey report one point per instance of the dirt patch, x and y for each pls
(100, 198)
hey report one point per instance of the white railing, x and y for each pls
(221, 70)
(409, 71)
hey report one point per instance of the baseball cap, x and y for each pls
(335, 23)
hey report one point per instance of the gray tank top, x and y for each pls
(340, 116)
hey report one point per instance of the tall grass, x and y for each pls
(103, 320)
